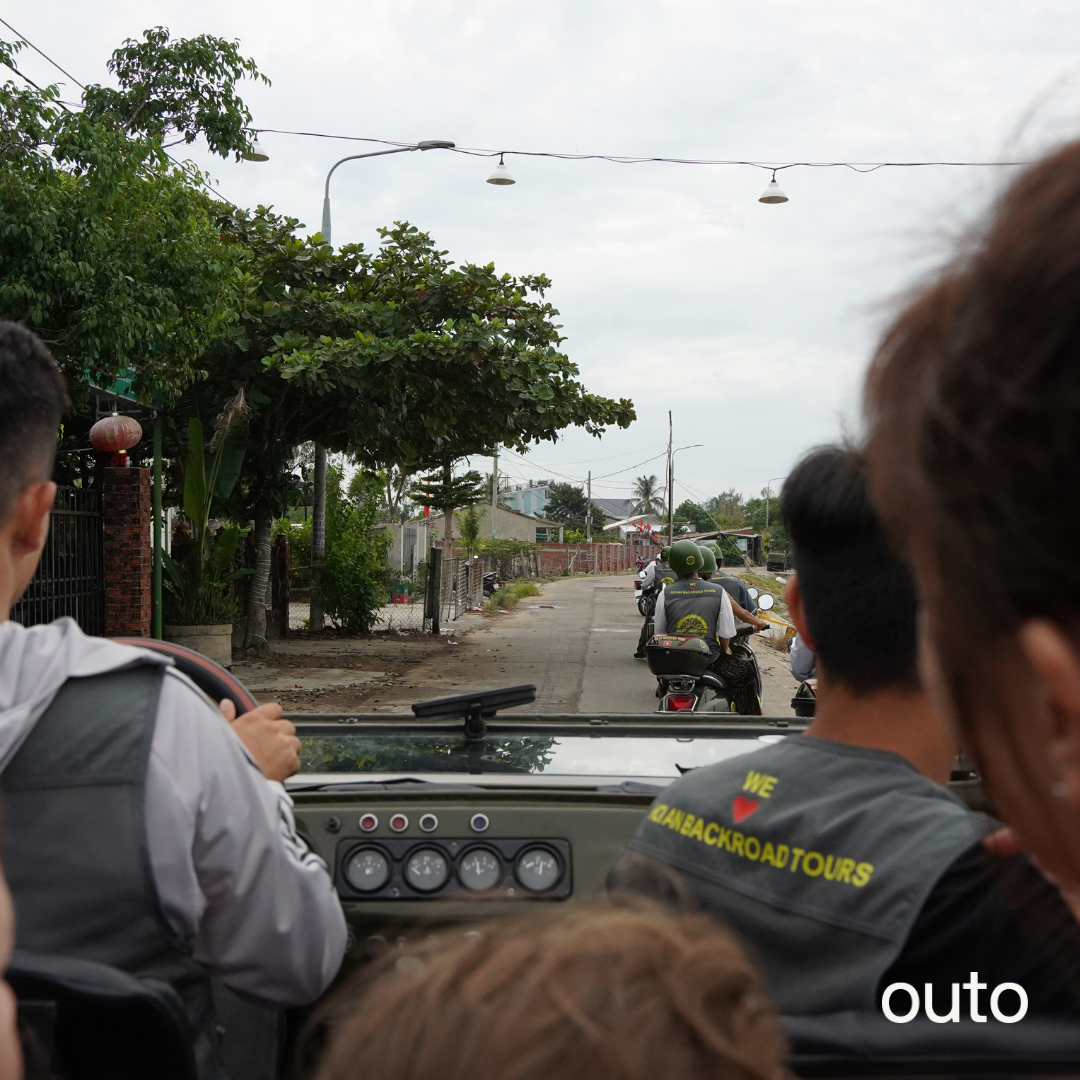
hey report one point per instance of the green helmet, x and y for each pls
(685, 557)
(709, 558)
(664, 553)
(713, 546)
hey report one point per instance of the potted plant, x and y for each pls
(199, 605)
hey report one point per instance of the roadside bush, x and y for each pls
(506, 598)
(356, 576)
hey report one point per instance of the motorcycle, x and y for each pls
(680, 663)
(805, 700)
(641, 597)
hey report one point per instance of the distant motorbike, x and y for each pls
(491, 583)
(680, 663)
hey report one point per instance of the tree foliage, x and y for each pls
(108, 249)
(396, 356)
(694, 515)
(646, 493)
(567, 504)
(177, 90)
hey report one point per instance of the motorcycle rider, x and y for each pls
(657, 575)
(735, 586)
(704, 609)
(741, 611)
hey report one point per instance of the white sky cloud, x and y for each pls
(752, 323)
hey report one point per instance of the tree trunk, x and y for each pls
(448, 533)
(318, 539)
(258, 584)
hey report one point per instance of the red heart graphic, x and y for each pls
(742, 807)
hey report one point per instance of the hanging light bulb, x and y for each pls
(501, 174)
(773, 193)
(254, 151)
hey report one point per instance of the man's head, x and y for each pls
(664, 553)
(685, 558)
(854, 598)
(585, 994)
(32, 400)
(708, 562)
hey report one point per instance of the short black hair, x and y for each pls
(33, 398)
(859, 597)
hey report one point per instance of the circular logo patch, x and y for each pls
(692, 624)
(691, 559)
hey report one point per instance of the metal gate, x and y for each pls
(70, 579)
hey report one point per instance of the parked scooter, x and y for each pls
(680, 663)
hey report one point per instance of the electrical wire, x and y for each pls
(23, 37)
(633, 159)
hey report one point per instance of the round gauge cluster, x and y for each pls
(429, 868)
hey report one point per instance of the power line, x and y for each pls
(23, 37)
(633, 159)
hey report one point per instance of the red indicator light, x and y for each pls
(369, 822)
(677, 703)
(399, 823)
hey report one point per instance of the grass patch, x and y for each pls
(506, 598)
(766, 582)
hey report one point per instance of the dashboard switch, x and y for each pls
(429, 823)
(479, 823)
(399, 823)
(369, 822)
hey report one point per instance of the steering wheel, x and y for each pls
(211, 678)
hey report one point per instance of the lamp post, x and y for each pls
(671, 489)
(426, 144)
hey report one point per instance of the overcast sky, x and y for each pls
(676, 287)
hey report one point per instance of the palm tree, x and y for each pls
(646, 496)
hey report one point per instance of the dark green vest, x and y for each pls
(692, 606)
(820, 855)
(75, 849)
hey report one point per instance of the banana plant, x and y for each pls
(197, 585)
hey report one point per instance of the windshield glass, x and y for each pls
(522, 754)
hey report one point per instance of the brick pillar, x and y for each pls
(126, 513)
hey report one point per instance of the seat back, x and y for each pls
(81, 1020)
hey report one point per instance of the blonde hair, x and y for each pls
(592, 993)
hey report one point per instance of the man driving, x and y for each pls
(692, 605)
(141, 829)
(839, 855)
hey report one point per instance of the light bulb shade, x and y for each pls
(501, 175)
(773, 194)
(255, 152)
(115, 433)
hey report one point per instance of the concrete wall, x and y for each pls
(508, 526)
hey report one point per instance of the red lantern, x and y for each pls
(116, 434)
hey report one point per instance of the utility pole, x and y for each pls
(588, 509)
(494, 491)
(670, 484)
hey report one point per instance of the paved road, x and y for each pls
(575, 642)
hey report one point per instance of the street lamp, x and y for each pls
(426, 144)
(671, 490)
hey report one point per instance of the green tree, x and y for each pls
(646, 494)
(567, 504)
(109, 249)
(396, 356)
(445, 492)
(697, 517)
(727, 510)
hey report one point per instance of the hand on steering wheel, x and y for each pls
(270, 739)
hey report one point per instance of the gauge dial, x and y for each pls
(538, 869)
(427, 870)
(480, 869)
(367, 870)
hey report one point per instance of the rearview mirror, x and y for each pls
(641, 574)
(765, 602)
(753, 593)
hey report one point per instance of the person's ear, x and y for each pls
(1053, 658)
(794, 599)
(27, 530)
